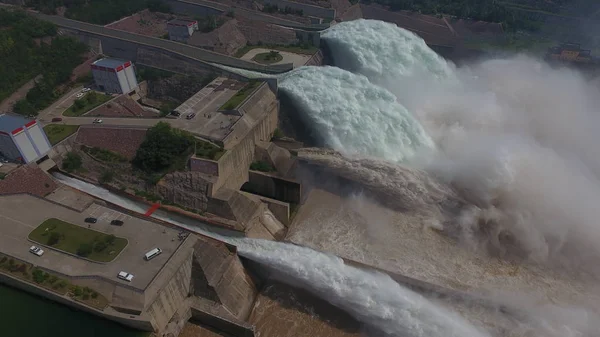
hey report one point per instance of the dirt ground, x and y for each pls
(143, 23)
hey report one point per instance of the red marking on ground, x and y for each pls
(152, 209)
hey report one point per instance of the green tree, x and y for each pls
(53, 238)
(72, 162)
(84, 249)
(78, 104)
(161, 147)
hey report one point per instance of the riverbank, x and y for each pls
(26, 315)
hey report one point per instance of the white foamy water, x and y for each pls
(371, 297)
(381, 50)
(353, 115)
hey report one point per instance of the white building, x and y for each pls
(21, 139)
(114, 76)
(181, 30)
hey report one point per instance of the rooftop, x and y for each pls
(109, 63)
(8, 123)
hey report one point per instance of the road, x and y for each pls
(256, 15)
(57, 108)
(198, 54)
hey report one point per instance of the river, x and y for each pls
(26, 315)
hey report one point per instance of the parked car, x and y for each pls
(84, 90)
(117, 223)
(91, 220)
(97, 121)
(36, 250)
(175, 113)
(190, 116)
(79, 95)
(125, 276)
(56, 119)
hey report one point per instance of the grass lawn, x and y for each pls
(268, 57)
(78, 240)
(88, 102)
(240, 96)
(307, 50)
(58, 132)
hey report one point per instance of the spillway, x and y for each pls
(372, 298)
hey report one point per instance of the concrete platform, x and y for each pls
(208, 122)
(20, 214)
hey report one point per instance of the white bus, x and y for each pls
(152, 254)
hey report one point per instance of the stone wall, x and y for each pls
(274, 187)
(308, 10)
(188, 189)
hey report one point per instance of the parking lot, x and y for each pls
(20, 214)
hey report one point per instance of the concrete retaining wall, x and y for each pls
(135, 322)
(259, 120)
(307, 10)
(221, 324)
(188, 8)
(173, 283)
(273, 187)
(316, 60)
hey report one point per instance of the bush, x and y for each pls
(106, 177)
(261, 166)
(99, 246)
(4, 259)
(94, 294)
(72, 162)
(61, 284)
(38, 276)
(110, 239)
(85, 296)
(277, 134)
(84, 249)
(77, 291)
(52, 279)
(53, 238)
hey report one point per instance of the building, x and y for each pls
(181, 30)
(21, 139)
(570, 52)
(114, 76)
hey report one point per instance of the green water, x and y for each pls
(26, 315)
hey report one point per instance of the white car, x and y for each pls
(125, 276)
(36, 250)
(84, 90)
(97, 121)
(79, 95)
